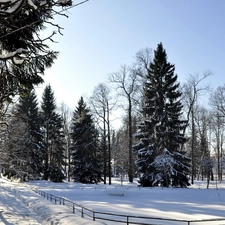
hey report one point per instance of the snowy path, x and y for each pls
(13, 211)
(19, 205)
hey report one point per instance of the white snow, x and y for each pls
(193, 203)
(62, 1)
(30, 2)
(14, 5)
(9, 55)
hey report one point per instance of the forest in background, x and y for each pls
(38, 138)
(169, 132)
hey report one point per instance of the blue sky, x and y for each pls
(101, 35)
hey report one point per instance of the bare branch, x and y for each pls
(192, 90)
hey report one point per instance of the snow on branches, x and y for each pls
(16, 56)
(24, 52)
(7, 7)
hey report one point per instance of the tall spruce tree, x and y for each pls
(27, 110)
(86, 165)
(24, 143)
(54, 159)
(14, 158)
(161, 160)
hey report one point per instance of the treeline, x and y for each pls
(167, 136)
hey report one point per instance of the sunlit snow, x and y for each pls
(193, 203)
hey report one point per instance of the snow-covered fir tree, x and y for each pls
(27, 110)
(15, 150)
(25, 53)
(24, 143)
(161, 160)
(54, 159)
(86, 164)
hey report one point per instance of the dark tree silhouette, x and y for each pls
(161, 132)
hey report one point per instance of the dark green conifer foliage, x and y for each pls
(24, 143)
(54, 142)
(25, 54)
(161, 135)
(28, 111)
(86, 164)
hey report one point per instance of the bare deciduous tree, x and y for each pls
(192, 91)
(144, 58)
(66, 115)
(102, 104)
(127, 82)
(217, 101)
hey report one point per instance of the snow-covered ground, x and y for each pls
(19, 205)
(193, 203)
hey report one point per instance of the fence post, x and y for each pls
(93, 216)
(73, 209)
(82, 212)
(127, 220)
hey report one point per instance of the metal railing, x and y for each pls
(113, 217)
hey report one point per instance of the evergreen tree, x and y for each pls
(87, 167)
(161, 132)
(15, 149)
(24, 53)
(28, 111)
(54, 158)
(24, 143)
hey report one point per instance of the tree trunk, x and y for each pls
(130, 171)
(192, 147)
(208, 178)
(109, 146)
(104, 147)
(46, 173)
